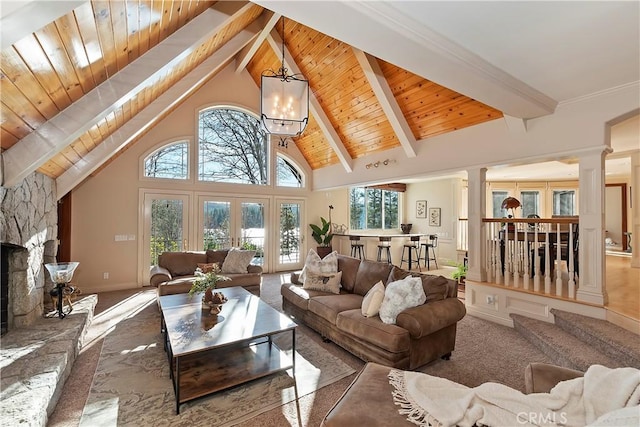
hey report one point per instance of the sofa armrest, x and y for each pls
(295, 278)
(254, 269)
(159, 275)
(542, 377)
(428, 318)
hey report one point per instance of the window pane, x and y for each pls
(530, 203)
(287, 174)
(216, 231)
(564, 202)
(166, 227)
(356, 204)
(171, 161)
(232, 147)
(498, 198)
(391, 209)
(253, 230)
(289, 233)
(374, 208)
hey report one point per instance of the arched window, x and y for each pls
(169, 161)
(287, 174)
(232, 147)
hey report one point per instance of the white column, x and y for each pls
(477, 207)
(591, 238)
(635, 209)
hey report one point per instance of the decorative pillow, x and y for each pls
(315, 265)
(373, 300)
(208, 268)
(237, 261)
(435, 287)
(325, 283)
(399, 296)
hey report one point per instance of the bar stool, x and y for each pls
(431, 244)
(384, 247)
(412, 247)
(357, 247)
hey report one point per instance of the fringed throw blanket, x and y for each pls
(602, 397)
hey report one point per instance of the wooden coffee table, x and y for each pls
(208, 353)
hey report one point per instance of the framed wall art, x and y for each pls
(434, 217)
(421, 209)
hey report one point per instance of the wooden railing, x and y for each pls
(533, 254)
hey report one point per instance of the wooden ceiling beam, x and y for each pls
(269, 20)
(40, 146)
(155, 111)
(387, 101)
(275, 42)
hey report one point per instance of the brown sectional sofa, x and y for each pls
(175, 272)
(421, 334)
(368, 401)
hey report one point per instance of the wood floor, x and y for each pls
(623, 286)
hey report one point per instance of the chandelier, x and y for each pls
(284, 100)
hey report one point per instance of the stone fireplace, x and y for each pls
(28, 233)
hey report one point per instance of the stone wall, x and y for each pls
(29, 220)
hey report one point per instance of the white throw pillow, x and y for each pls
(237, 261)
(373, 300)
(319, 266)
(399, 296)
(325, 283)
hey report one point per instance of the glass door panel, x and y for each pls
(290, 254)
(216, 224)
(252, 229)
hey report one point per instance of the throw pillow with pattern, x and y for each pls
(237, 261)
(319, 266)
(324, 282)
(400, 295)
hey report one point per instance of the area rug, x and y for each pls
(131, 386)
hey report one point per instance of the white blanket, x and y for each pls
(592, 399)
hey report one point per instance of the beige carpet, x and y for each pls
(131, 386)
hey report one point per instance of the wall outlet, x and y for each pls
(491, 299)
(105, 275)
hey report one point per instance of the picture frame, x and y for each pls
(421, 209)
(434, 217)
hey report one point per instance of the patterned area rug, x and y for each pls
(131, 386)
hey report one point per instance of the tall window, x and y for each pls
(170, 161)
(564, 202)
(498, 197)
(287, 174)
(530, 203)
(372, 208)
(232, 147)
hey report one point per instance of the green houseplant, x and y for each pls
(207, 282)
(461, 272)
(322, 236)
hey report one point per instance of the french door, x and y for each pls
(166, 227)
(224, 222)
(291, 244)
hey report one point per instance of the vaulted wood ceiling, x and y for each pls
(73, 95)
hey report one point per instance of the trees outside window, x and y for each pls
(288, 175)
(372, 208)
(232, 147)
(170, 161)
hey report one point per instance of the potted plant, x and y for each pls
(322, 236)
(207, 282)
(461, 272)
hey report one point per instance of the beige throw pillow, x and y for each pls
(319, 266)
(325, 283)
(373, 300)
(400, 295)
(237, 261)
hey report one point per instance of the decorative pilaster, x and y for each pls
(635, 209)
(477, 208)
(591, 286)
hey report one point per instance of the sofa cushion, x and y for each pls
(373, 300)
(217, 256)
(435, 287)
(299, 296)
(324, 282)
(370, 329)
(370, 273)
(328, 306)
(315, 265)
(237, 261)
(400, 295)
(349, 267)
(181, 263)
